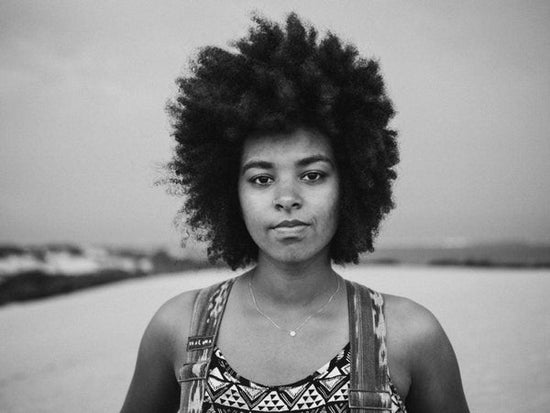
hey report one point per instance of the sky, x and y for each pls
(83, 130)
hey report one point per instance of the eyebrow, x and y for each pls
(256, 164)
(315, 158)
(301, 163)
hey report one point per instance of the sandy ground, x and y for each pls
(77, 352)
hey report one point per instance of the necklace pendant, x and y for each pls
(292, 333)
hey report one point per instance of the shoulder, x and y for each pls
(422, 352)
(176, 310)
(153, 386)
(169, 325)
(414, 333)
(412, 321)
(161, 353)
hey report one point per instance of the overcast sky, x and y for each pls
(83, 85)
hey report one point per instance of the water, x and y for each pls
(77, 352)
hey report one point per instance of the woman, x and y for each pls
(286, 158)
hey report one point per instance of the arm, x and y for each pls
(425, 357)
(154, 386)
(436, 385)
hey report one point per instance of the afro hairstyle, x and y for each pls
(275, 80)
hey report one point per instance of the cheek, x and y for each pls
(250, 209)
(244, 202)
(330, 200)
(331, 210)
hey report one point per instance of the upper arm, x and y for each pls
(435, 383)
(154, 386)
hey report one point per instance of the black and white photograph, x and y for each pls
(274, 206)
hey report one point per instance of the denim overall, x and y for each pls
(369, 390)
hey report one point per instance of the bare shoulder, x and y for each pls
(163, 342)
(175, 308)
(154, 386)
(421, 354)
(169, 326)
(414, 333)
(411, 321)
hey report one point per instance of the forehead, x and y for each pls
(298, 144)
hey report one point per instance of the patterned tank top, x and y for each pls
(326, 390)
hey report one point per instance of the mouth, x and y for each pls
(290, 224)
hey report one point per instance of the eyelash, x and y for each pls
(255, 179)
(319, 176)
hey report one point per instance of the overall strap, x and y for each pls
(205, 323)
(369, 381)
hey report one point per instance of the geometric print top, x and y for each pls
(326, 390)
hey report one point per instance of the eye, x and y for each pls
(261, 180)
(313, 176)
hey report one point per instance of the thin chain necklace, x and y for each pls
(292, 333)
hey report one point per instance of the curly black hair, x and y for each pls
(277, 80)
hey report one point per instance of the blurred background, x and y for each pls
(83, 87)
(83, 131)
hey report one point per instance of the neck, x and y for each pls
(294, 285)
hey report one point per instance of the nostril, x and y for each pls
(287, 203)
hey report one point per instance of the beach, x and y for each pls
(77, 352)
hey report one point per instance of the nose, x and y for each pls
(287, 197)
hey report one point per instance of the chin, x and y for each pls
(297, 255)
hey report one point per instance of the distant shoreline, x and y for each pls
(31, 273)
(35, 285)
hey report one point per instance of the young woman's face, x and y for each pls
(289, 191)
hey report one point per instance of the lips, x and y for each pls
(290, 224)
